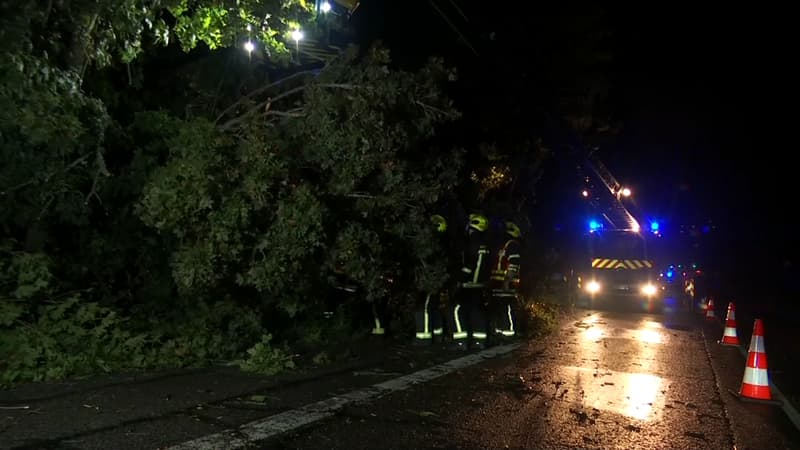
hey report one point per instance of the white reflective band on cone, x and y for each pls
(758, 377)
(757, 344)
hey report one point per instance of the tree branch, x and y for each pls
(265, 105)
(260, 106)
(377, 197)
(297, 112)
(260, 90)
(101, 170)
(93, 191)
(428, 107)
(69, 167)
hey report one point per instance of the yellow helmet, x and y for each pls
(478, 222)
(513, 230)
(439, 222)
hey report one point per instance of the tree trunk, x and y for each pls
(80, 40)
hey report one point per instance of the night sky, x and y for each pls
(704, 100)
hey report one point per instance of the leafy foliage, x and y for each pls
(254, 211)
(51, 143)
(263, 359)
(342, 179)
(78, 34)
(85, 284)
(185, 231)
(540, 318)
(45, 337)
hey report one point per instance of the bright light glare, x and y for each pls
(654, 226)
(249, 46)
(297, 35)
(325, 7)
(593, 334)
(641, 392)
(593, 287)
(626, 192)
(635, 395)
(650, 336)
(585, 193)
(649, 290)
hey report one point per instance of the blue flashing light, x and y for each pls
(670, 274)
(654, 226)
(594, 225)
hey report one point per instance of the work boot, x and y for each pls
(478, 345)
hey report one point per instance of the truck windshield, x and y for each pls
(621, 245)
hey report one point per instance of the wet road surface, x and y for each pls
(607, 380)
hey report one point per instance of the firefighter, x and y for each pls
(382, 305)
(505, 281)
(427, 314)
(468, 314)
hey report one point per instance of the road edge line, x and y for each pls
(274, 425)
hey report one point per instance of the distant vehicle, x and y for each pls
(615, 268)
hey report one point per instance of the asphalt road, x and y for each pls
(609, 380)
(605, 379)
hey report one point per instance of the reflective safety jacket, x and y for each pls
(475, 269)
(506, 267)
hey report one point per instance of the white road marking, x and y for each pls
(274, 425)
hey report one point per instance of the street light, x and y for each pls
(626, 192)
(249, 46)
(297, 35)
(325, 7)
(585, 193)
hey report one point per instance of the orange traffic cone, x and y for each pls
(710, 309)
(729, 336)
(755, 383)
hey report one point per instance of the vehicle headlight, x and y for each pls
(649, 290)
(593, 287)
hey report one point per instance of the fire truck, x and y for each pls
(616, 268)
(614, 261)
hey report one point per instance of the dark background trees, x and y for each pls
(170, 198)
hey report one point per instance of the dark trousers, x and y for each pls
(428, 318)
(467, 317)
(380, 317)
(503, 313)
